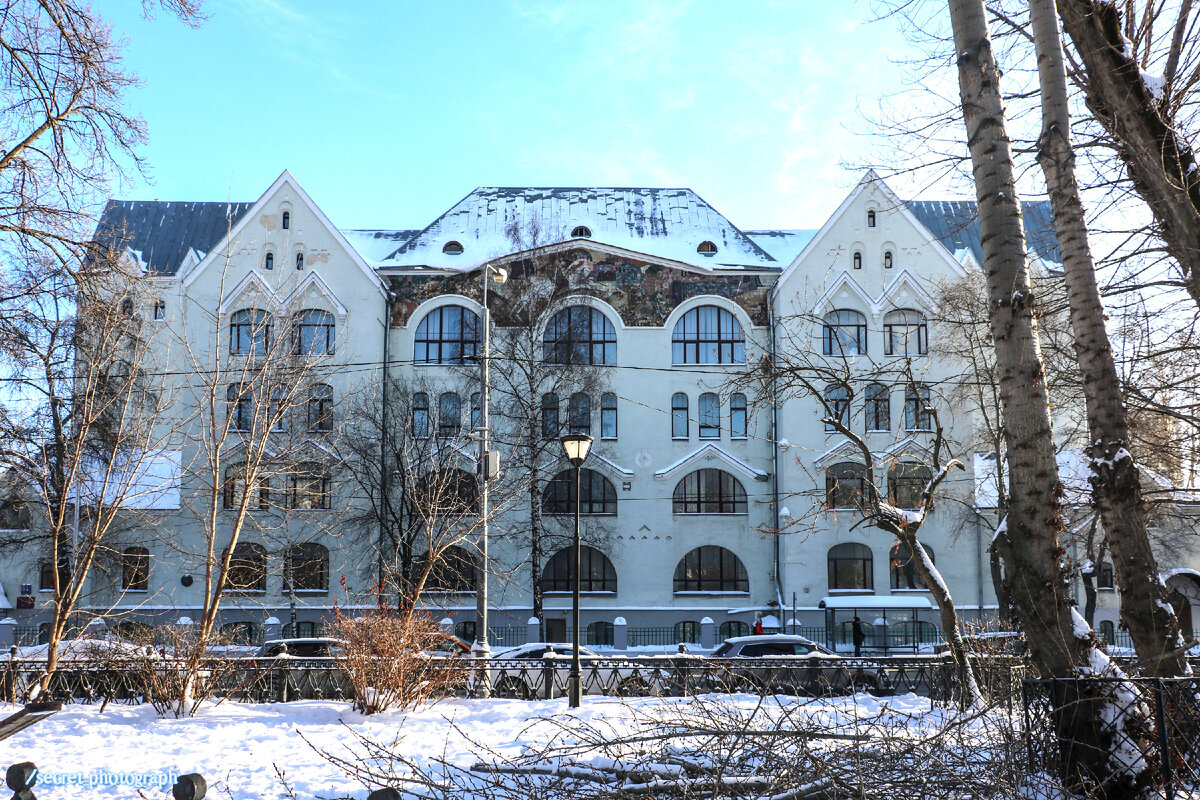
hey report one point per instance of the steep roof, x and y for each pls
(956, 225)
(161, 233)
(377, 245)
(668, 223)
(783, 245)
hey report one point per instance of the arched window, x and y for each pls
(878, 407)
(708, 335)
(248, 568)
(309, 486)
(269, 261)
(299, 260)
(906, 484)
(887, 259)
(608, 416)
(836, 406)
(235, 486)
(420, 415)
(870, 219)
(580, 335)
(599, 633)
(1107, 631)
(732, 628)
(711, 569)
(905, 333)
(679, 416)
(916, 408)
(287, 220)
(452, 248)
(844, 333)
(160, 309)
(320, 407)
(445, 493)
(706, 248)
(447, 335)
(581, 232)
(687, 632)
(850, 567)
(579, 413)
(737, 416)
(857, 260)
(903, 567)
(449, 415)
(709, 491)
(235, 633)
(250, 332)
(597, 495)
(46, 577)
(452, 572)
(315, 333)
(847, 485)
(710, 416)
(550, 424)
(306, 566)
(135, 569)
(596, 573)
(241, 407)
(1105, 577)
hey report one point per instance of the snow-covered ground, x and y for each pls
(86, 754)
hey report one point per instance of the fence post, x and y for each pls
(708, 634)
(533, 630)
(620, 634)
(548, 675)
(1164, 740)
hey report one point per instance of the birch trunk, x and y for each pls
(1115, 479)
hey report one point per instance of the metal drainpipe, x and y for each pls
(775, 461)
(383, 465)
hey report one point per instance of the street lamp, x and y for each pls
(576, 447)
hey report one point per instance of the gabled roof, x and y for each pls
(956, 225)
(162, 232)
(376, 245)
(783, 245)
(667, 223)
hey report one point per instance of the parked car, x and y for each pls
(311, 672)
(790, 664)
(448, 646)
(523, 672)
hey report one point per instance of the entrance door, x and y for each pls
(556, 630)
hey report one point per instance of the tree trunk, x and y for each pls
(1115, 479)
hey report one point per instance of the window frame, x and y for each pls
(320, 400)
(903, 576)
(579, 414)
(833, 396)
(135, 569)
(705, 332)
(877, 406)
(597, 575)
(253, 558)
(693, 572)
(708, 416)
(836, 477)
(907, 481)
(832, 326)
(449, 415)
(455, 342)
(902, 331)
(420, 415)
(608, 416)
(850, 553)
(314, 333)
(251, 327)
(738, 416)
(558, 495)
(321, 562)
(551, 416)
(702, 489)
(310, 487)
(580, 335)
(679, 416)
(917, 397)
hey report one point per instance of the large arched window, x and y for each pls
(847, 485)
(449, 415)
(709, 491)
(453, 571)
(579, 414)
(580, 335)
(306, 566)
(259, 492)
(135, 569)
(916, 408)
(248, 568)
(447, 335)
(309, 486)
(445, 493)
(906, 484)
(596, 573)
(836, 406)
(878, 407)
(597, 495)
(844, 333)
(315, 333)
(711, 569)
(249, 332)
(903, 567)
(708, 335)
(850, 567)
(905, 333)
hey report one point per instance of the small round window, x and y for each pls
(581, 232)
(452, 248)
(707, 249)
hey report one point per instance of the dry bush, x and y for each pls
(386, 661)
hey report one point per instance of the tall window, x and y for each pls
(299, 260)
(905, 333)
(258, 495)
(870, 219)
(850, 567)
(711, 569)
(309, 486)
(1105, 578)
(287, 220)
(306, 566)
(708, 335)
(580, 335)
(135, 569)
(597, 495)
(878, 407)
(737, 416)
(447, 335)
(710, 416)
(250, 332)
(315, 333)
(847, 485)
(887, 259)
(599, 632)
(709, 491)
(449, 415)
(687, 631)
(857, 260)
(906, 484)
(320, 407)
(160, 309)
(916, 408)
(280, 401)
(269, 261)
(596, 573)
(679, 416)
(550, 425)
(903, 567)
(608, 416)
(844, 333)
(453, 571)
(241, 407)
(579, 413)
(836, 406)
(248, 568)
(420, 415)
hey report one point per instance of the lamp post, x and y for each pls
(576, 446)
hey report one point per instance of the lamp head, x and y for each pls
(576, 446)
(499, 274)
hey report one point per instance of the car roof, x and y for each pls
(303, 640)
(770, 637)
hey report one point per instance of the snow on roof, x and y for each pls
(376, 245)
(667, 223)
(956, 225)
(783, 245)
(160, 233)
(872, 601)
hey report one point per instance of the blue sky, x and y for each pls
(389, 112)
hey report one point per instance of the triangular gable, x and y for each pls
(902, 281)
(688, 462)
(252, 280)
(255, 210)
(845, 450)
(911, 447)
(844, 282)
(594, 461)
(471, 454)
(313, 279)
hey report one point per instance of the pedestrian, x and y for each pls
(758, 627)
(859, 636)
